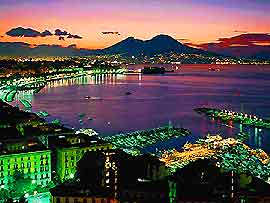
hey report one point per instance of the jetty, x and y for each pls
(237, 117)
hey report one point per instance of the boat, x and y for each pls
(93, 98)
(211, 69)
(43, 114)
(169, 71)
(153, 70)
(128, 93)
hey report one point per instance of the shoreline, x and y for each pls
(40, 84)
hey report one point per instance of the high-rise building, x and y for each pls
(68, 155)
(115, 169)
(35, 165)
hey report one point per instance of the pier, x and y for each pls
(134, 142)
(237, 117)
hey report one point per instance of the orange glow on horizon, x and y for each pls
(197, 23)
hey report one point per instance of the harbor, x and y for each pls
(237, 117)
(135, 142)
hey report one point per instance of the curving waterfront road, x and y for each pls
(157, 99)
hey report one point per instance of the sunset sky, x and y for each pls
(195, 21)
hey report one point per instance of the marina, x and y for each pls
(237, 117)
(134, 142)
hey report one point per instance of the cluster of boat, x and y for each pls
(142, 139)
(238, 117)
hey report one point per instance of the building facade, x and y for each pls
(67, 158)
(35, 165)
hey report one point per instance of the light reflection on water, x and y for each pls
(158, 99)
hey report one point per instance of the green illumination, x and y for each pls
(25, 172)
(243, 118)
(134, 142)
(172, 192)
(228, 154)
(67, 159)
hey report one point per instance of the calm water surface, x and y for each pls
(158, 99)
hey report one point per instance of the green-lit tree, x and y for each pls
(4, 194)
(19, 185)
(239, 160)
(20, 128)
(244, 180)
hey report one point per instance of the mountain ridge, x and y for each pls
(160, 44)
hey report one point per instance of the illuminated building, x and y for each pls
(115, 170)
(121, 170)
(72, 150)
(35, 165)
(228, 154)
(103, 171)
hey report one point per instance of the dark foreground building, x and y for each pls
(144, 179)
(77, 193)
(144, 191)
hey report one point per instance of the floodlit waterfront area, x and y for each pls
(10, 87)
(228, 154)
(135, 141)
(126, 111)
(239, 117)
(98, 106)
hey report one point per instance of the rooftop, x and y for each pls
(20, 145)
(69, 140)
